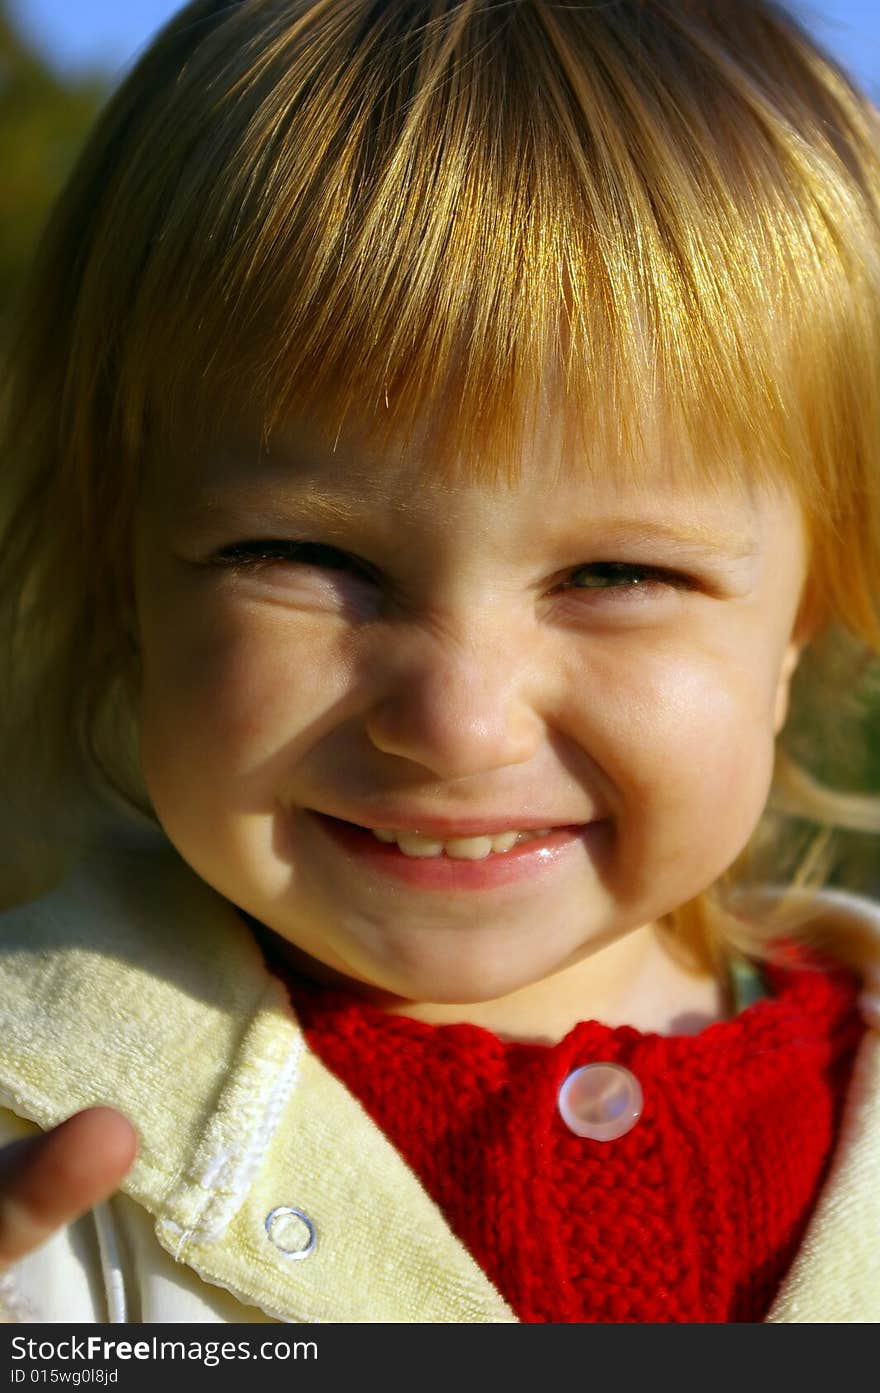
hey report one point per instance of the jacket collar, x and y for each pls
(146, 991)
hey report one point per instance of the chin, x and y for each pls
(470, 987)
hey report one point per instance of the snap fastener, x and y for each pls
(600, 1101)
(292, 1231)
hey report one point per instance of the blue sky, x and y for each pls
(109, 33)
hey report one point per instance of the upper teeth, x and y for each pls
(462, 848)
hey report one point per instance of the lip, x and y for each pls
(444, 828)
(447, 873)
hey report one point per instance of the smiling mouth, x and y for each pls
(436, 867)
(459, 846)
(420, 846)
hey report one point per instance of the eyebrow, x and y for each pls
(697, 538)
(222, 503)
(226, 502)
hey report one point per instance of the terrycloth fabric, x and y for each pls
(694, 1215)
(135, 984)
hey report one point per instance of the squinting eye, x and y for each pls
(638, 580)
(251, 555)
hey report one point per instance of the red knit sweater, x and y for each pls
(694, 1215)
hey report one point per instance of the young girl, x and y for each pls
(441, 528)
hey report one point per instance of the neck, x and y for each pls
(634, 981)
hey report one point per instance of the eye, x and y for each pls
(626, 581)
(260, 552)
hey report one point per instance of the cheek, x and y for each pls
(685, 736)
(233, 690)
(688, 756)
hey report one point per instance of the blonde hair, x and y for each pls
(421, 211)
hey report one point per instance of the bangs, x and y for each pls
(448, 218)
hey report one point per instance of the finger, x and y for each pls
(50, 1180)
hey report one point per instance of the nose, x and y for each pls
(457, 706)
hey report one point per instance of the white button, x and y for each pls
(600, 1101)
(292, 1231)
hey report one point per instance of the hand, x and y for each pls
(48, 1181)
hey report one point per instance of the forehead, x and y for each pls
(549, 491)
(651, 455)
(558, 453)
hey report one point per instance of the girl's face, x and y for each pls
(400, 654)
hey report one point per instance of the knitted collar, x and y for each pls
(693, 1215)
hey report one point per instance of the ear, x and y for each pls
(790, 660)
(806, 626)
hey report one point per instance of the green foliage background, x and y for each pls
(44, 118)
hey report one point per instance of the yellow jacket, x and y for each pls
(135, 984)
